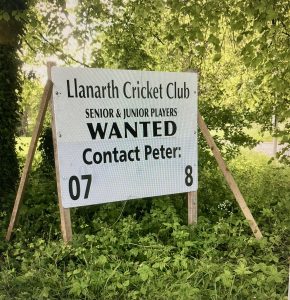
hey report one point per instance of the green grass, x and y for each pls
(256, 133)
(266, 136)
(144, 249)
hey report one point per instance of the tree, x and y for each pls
(240, 49)
(262, 30)
(245, 40)
(11, 28)
(171, 36)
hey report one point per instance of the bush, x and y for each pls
(46, 148)
(9, 118)
(119, 252)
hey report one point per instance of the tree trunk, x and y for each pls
(10, 90)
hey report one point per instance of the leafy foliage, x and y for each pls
(10, 89)
(240, 48)
(46, 148)
(144, 249)
(119, 252)
(9, 95)
(31, 93)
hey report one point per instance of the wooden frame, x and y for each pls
(192, 208)
(65, 212)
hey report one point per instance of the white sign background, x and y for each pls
(117, 181)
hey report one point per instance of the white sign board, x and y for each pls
(124, 134)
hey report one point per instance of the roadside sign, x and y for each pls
(124, 134)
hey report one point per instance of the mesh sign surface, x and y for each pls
(124, 134)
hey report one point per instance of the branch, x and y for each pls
(61, 51)
(158, 38)
(285, 27)
(28, 44)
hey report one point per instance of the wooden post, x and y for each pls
(192, 208)
(33, 143)
(229, 178)
(65, 220)
(192, 196)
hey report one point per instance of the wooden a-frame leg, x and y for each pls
(229, 178)
(24, 178)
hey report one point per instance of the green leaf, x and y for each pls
(6, 16)
(217, 57)
(242, 269)
(145, 272)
